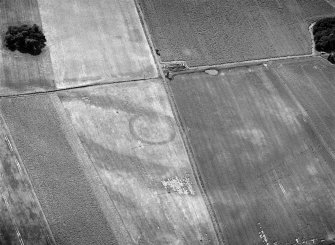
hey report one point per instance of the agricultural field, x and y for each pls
(95, 42)
(130, 134)
(263, 141)
(87, 43)
(21, 217)
(238, 156)
(216, 32)
(74, 202)
(21, 73)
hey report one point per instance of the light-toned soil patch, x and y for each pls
(95, 42)
(181, 186)
(142, 163)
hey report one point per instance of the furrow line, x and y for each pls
(73, 88)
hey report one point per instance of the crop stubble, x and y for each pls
(96, 42)
(217, 32)
(262, 138)
(130, 134)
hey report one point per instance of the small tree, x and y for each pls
(26, 39)
(324, 37)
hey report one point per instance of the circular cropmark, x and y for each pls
(152, 129)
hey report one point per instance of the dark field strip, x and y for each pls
(217, 32)
(18, 201)
(8, 233)
(67, 199)
(264, 145)
(22, 72)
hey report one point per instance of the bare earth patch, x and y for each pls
(182, 186)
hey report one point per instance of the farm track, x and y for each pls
(190, 70)
(73, 88)
(248, 63)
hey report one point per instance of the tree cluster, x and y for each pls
(324, 35)
(26, 39)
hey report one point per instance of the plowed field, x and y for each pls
(216, 32)
(263, 139)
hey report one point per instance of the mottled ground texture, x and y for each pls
(108, 164)
(131, 135)
(263, 139)
(20, 73)
(56, 171)
(95, 41)
(21, 218)
(214, 32)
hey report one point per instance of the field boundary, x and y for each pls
(240, 64)
(172, 74)
(181, 127)
(74, 88)
(148, 38)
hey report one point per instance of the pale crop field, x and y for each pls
(95, 42)
(263, 139)
(131, 136)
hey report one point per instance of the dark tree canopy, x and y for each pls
(26, 39)
(324, 35)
